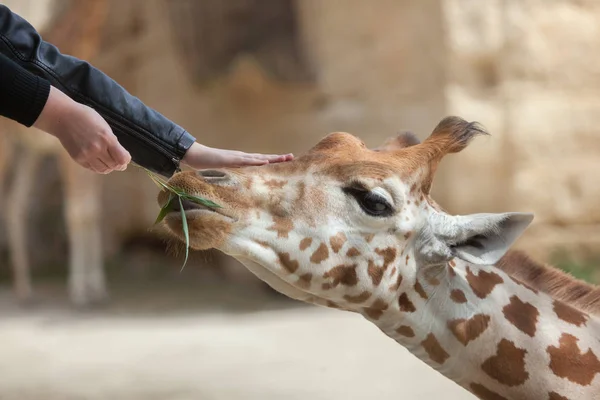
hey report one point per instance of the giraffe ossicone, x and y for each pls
(348, 227)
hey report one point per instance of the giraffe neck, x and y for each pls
(493, 335)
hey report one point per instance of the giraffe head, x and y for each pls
(343, 221)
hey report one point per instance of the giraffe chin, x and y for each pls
(207, 229)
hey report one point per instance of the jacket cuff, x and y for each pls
(186, 140)
(29, 94)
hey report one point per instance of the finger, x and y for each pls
(244, 161)
(275, 158)
(99, 166)
(106, 162)
(280, 158)
(120, 156)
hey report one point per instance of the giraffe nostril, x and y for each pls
(213, 175)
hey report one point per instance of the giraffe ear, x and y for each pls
(484, 238)
(400, 141)
(481, 239)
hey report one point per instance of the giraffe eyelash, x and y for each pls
(370, 202)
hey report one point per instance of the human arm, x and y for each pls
(200, 156)
(31, 101)
(154, 141)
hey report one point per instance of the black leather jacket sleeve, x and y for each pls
(22, 94)
(153, 141)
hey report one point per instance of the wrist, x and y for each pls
(193, 154)
(54, 113)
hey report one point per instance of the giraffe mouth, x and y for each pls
(193, 209)
(188, 205)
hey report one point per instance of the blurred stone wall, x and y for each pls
(526, 69)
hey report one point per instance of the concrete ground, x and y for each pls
(53, 353)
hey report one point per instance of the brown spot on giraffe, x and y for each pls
(407, 235)
(419, 289)
(331, 304)
(508, 365)
(396, 285)
(368, 236)
(458, 296)
(405, 331)
(310, 198)
(304, 280)
(287, 263)
(337, 242)
(376, 310)
(305, 243)
(434, 349)
(301, 194)
(567, 361)
(556, 396)
(283, 226)
(406, 260)
(569, 314)
(430, 275)
(342, 274)
(466, 330)
(353, 252)
(483, 284)
(375, 272)
(484, 393)
(320, 254)
(405, 304)
(275, 183)
(317, 197)
(360, 298)
(388, 254)
(522, 315)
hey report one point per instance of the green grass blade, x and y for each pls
(168, 207)
(157, 181)
(165, 209)
(186, 233)
(181, 193)
(200, 200)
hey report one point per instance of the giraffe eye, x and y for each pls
(371, 203)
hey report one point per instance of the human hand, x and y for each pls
(199, 157)
(84, 134)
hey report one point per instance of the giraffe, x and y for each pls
(75, 31)
(353, 228)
